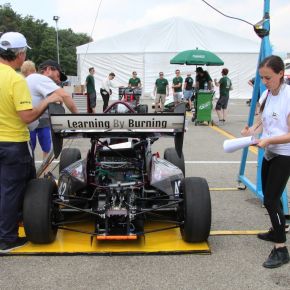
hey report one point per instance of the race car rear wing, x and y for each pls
(114, 125)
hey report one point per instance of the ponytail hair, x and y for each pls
(264, 102)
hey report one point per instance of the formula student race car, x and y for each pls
(120, 184)
(169, 105)
(131, 96)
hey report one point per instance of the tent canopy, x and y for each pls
(148, 51)
(171, 35)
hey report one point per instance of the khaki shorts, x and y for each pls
(160, 97)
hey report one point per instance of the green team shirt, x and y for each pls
(90, 84)
(161, 85)
(225, 84)
(178, 80)
(134, 82)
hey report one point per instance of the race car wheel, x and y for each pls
(68, 156)
(142, 109)
(196, 210)
(39, 212)
(170, 155)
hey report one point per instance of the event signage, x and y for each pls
(103, 122)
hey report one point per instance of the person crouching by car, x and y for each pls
(106, 91)
(42, 85)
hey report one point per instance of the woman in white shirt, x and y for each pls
(274, 125)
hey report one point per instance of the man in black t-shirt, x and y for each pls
(203, 79)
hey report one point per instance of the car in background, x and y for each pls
(287, 71)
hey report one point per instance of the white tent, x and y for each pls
(149, 49)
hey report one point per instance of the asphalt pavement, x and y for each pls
(235, 261)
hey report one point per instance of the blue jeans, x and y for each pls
(16, 169)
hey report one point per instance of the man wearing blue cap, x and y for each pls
(16, 111)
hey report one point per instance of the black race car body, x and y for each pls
(120, 183)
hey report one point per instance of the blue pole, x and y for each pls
(265, 50)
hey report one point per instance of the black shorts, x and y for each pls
(222, 103)
(92, 98)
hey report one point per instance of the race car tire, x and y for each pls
(39, 211)
(142, 109)
(196, 209)
(170, 155)
(68, 156)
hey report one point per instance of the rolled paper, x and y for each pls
(233, 145)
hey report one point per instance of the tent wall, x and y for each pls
(121, 64)
(242, 67)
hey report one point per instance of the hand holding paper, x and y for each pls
(233, 145)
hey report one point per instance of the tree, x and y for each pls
(42, 38)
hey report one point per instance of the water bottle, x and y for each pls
(205, 86)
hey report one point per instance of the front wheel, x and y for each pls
(39, 212)
(196, 210)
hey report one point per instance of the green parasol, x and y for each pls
(197, 57)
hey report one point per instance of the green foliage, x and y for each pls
(42, 38)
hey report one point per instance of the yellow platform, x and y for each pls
(74, 243)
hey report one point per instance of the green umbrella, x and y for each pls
(196, 57)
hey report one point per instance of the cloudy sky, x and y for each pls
(121, 15)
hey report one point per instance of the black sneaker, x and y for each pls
(277, 258)
(269, 236)
(6, 247)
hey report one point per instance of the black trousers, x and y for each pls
(16, 169)
(275, 174)
(105, 95)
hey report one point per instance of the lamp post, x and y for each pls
(56, 18)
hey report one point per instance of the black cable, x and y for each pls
(96, 17)
(236, 18)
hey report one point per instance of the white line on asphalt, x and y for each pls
(217, 162)
(189, 162)
(40, 161)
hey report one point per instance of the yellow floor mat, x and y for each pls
(67, 242)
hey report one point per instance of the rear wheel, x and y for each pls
(171, 155)
(196, 210)
(39, 212)
(68, 156)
